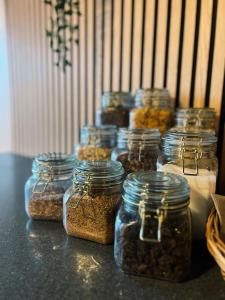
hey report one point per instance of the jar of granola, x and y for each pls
(191, 153)
(115, 108)
(137, 149)
(96, 142)
(90, 205)
(153, 228)
(201, 118)
(44, 190)
(152, 109)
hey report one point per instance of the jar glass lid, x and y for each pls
(94, 171)
(189, 137)
(154, 96)
(204, 112)
(146, 135)
(55, 163)
(117, 98)
(156, 188)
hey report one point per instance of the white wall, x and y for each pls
(5, 128)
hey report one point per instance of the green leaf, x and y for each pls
(60, 6)
(56, 50)
(76, 41)
(49, 2)
(69, 12)
(48, 33)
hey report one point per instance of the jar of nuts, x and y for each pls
(200, 118)
(152, 109)
(115, 108)
(44, 190)
(96, 143)
(137, 149)
(90, 205)
(153, 229)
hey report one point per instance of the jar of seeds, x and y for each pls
(115, 108)
(200, 118)
(153, 229)
(90, 205)
(153, 109)
(44, 190)
(96, 143)
(137, 149)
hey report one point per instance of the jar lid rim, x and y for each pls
(156, 188)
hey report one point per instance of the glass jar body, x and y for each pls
(168, 259)
(44, 198)
(96, 143)
(91, 214)
(115, 108)
(138, 157)
(152, 110)
(201, 118)
(201, 175)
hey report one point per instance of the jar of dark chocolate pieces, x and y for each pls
(96, 142)
(115, 108)
(91, 204)
(44, 190)
(153, 109)
(153, 229)
(137, 149)
(200, 118)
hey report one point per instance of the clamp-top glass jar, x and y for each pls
(192, 154)
(137, 149)
(44, 190)
(153, 229)
(96, 142)
(152, 109)
(201, 118)
(90, 205)
(115, 108)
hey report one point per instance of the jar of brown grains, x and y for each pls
(90, 205)
(115, 108)
(44, 190)
(153, 229)
(153, 109)
(137, 149)
(96, 142)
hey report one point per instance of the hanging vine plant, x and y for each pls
(61, 22)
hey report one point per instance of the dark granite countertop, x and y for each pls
(39, 261)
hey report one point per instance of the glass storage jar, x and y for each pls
(44, 190)
(152, 109)
(153, 228)
(201, 118)
(96, 142)
(90, 205)
(115, 108)
(192, 154)
(137, 149)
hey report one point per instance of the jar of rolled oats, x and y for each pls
(153, 109)
(44, 190)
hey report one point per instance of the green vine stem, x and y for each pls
(64, 10)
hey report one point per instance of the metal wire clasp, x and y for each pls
(196, 154)
(45, 177)
(83, 190)
(158, 214)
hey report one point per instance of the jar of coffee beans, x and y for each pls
(153, 109)
(153, 229)
(90, 205)
(44, 190)
(96, 142)
(137, 149)
(115, 108)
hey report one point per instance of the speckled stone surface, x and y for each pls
(38, 260)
